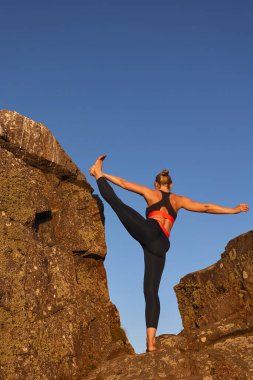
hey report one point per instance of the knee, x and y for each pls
(150, 293)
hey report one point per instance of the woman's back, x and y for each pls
(162, 207)
(165, 201)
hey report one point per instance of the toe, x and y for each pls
(102, 157)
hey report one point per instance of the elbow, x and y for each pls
(123, 184)
(206, 207)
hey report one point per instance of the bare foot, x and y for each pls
(96, 169)
(151, 349)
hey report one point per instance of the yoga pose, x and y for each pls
(154, 231)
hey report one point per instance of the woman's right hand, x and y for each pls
(242, 207)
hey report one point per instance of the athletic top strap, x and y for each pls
(161, 213)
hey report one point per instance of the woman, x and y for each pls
(152, 233)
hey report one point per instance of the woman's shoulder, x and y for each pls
(152, 196)
(175, 201)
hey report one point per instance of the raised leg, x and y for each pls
(136, 224)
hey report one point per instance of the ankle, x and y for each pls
(98, 175)
(150, 341)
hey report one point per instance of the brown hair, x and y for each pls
(163, 178)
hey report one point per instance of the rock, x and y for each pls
(56, 317)
(35, 144)
(218, 300)
(216, 305)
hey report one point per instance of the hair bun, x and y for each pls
(165, 172)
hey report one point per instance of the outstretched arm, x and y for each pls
(131, 186)
(190, 205)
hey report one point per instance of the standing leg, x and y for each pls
(154, 266)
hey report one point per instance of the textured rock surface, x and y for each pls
(216, 305)
(56, 318)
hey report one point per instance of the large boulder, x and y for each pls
(56, 317)
(218, 300)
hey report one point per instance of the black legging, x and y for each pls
(153, 241)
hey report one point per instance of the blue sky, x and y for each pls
(154, 85)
